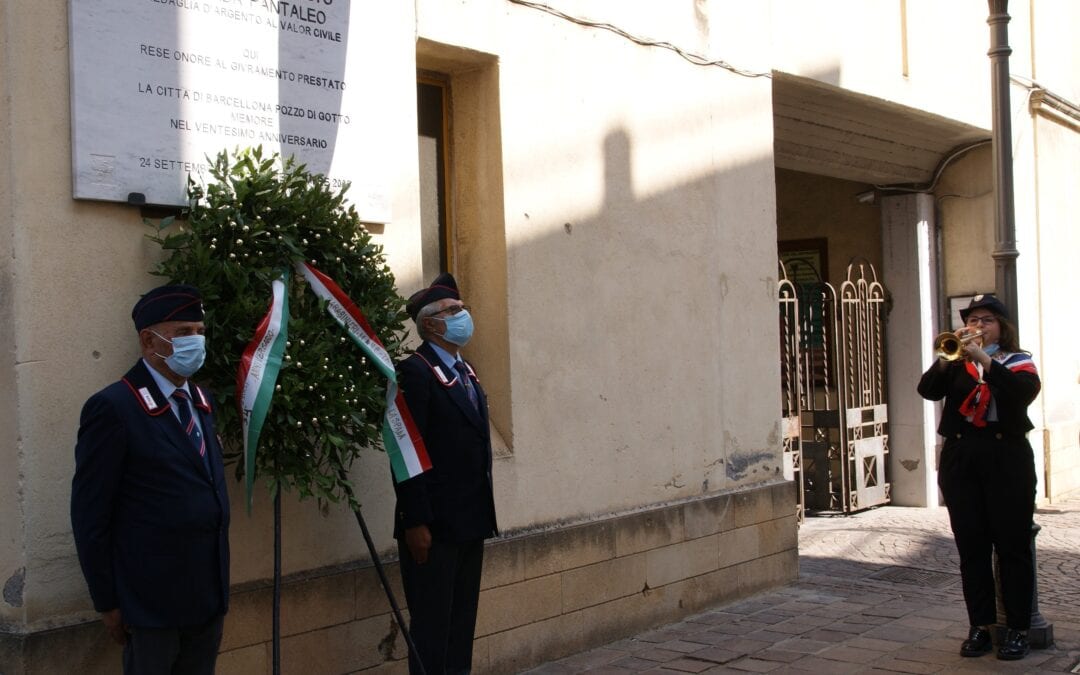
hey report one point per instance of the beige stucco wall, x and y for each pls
(1055, 56)
(71, 271)
(665, 198)
(1048, 157)
(12, 560)
(619, 245)
(52, 367)
(612, 181)
(920, 53)
(621, 224)
(1053, 325)
(965, 205)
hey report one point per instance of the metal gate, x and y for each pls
(834, 412)
(791, 387)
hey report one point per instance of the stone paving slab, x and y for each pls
(688, 665)
(878, 592)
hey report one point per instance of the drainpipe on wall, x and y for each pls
(1005, 252)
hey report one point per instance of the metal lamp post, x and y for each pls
(1041, 633)
(1005, 252)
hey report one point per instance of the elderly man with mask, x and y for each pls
(444, 515)
(149, 508)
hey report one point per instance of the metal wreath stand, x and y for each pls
(378, 568)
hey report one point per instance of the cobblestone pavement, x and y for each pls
(878, 592)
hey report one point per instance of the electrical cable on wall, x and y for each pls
(929, 187)
(693, 58)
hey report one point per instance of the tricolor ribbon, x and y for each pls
(404, 446)
(258, 372)
(261, 363)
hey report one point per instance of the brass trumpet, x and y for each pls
(949, 346)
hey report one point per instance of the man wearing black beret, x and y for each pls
(444, 515)
(149, 509)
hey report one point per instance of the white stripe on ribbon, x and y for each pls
(349, 317)
(259, 368)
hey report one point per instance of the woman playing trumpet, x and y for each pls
(987, 471)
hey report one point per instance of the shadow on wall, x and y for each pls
(633, 315)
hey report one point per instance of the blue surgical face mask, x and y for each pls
(188, 353)
(991, 349)
(459, 328)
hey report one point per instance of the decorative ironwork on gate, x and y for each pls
(791, 387)
(834, 408)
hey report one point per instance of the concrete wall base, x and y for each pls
(545, 595)
(82, 648)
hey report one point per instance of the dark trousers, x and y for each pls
(442, 595)
(989, 488)
(190, 650)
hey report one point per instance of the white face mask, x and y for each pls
(189, 353)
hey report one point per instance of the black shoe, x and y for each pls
(977, 643)
(1014, 647)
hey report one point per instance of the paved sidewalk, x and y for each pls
(877, 592)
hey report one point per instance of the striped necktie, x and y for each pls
(188, 422)
(463, 372)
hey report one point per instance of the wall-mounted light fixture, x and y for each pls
(867, 197)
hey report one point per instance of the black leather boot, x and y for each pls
(977, 643)
(1014, 647)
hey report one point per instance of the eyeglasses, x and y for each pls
(456, 309)
(983, 320)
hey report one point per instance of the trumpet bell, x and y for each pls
(950, 347)
(947, 346)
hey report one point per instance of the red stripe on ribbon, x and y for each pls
(345, 302)
(399, 401)
(414, 433)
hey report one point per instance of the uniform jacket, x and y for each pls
(151, 524)
(454, 498)
(1013, 386)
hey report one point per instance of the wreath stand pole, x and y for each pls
(277, 584)
(386, 587)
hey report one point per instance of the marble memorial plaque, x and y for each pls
(160, 85)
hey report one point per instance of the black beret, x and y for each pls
(443, 287)
(986, 300)
(167, 303)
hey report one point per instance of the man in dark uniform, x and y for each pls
(149, 508)
(444, 515)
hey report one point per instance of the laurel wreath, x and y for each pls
(255, 217)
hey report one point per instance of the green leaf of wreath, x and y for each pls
(256, 216)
